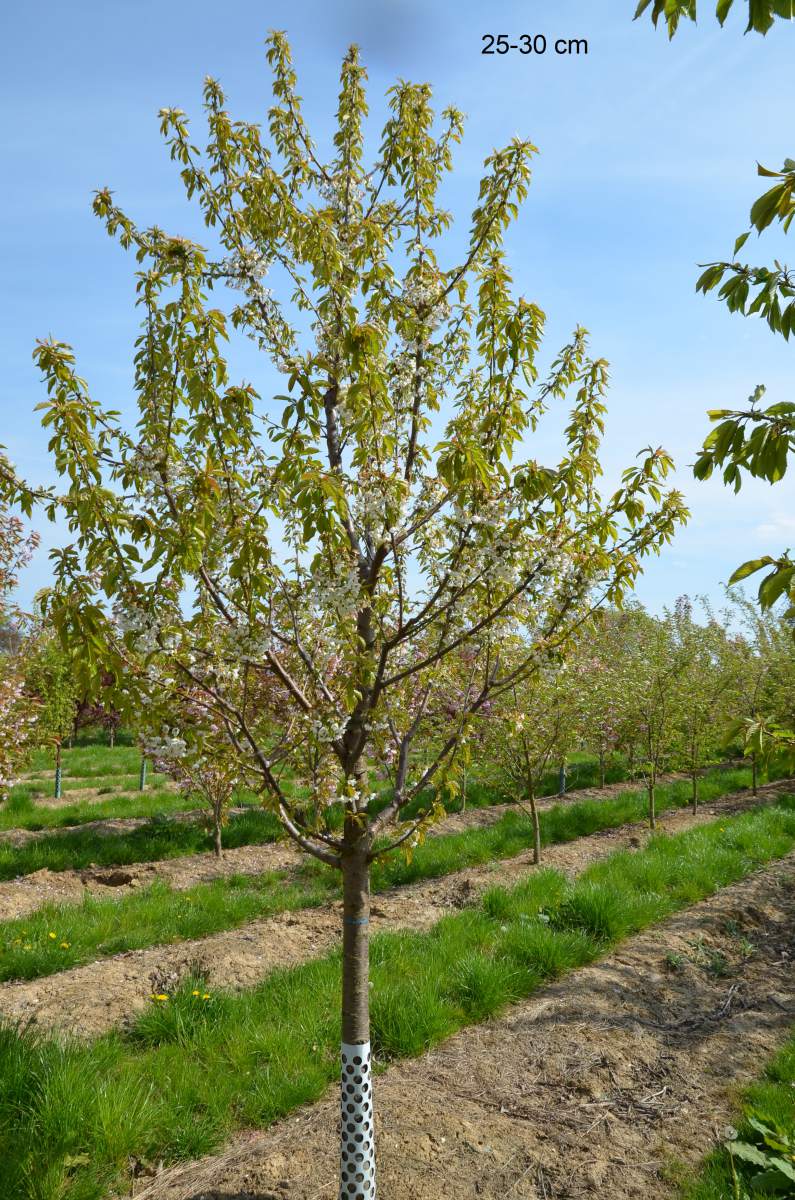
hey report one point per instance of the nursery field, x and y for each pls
(379, 820)
(136, 965)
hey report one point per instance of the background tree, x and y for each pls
(17, 710)
(306, 565)
(51, 679)
(652, 718)
(196, 754)
(598, 673)
(706, 686)
(531, 728)
(759, 693)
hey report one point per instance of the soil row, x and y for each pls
(90, 999)
(597, 1086)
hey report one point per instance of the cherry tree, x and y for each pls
(704, 686)
(303, 563)
(598, 671)
(532, 727)
(652, 713)
(51, 678)
(17, 710)
(761, 692)
(195, 751)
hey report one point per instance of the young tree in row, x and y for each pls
(196, 755)
(598, 673)
(530, 729)
(651, 690)
(705, 689)
(17, 710)
(51, 678)
(762, 689)
(307, 564)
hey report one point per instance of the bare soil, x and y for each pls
(597, 1086)
(90, 999)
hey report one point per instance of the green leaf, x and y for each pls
(748, 1153)
(748, 568)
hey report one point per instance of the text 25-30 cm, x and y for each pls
(529, 43)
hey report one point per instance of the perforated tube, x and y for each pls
(357, 1136)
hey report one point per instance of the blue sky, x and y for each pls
(646, 168)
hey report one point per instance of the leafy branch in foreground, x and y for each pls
(757, 441)
(761, 13)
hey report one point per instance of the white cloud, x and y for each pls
(781, 528)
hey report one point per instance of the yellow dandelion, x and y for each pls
(206, 996)
(52, 935)
(161, 996)
(195, 992)
(65, 945)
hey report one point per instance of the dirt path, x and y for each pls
(92, 998)
(25, 894)
(595, 1087)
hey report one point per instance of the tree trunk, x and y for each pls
(694, 777)
(602, 772)
(142, 776)
(217, 846)
(112, 737)
(357, 1134)
(562, 779)
(536, 826)
(652, 801)
(754, 774)
(57, 790)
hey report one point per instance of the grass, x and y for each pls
(57, 937)
(771, 1099)
(88, 762)
(193, 1069)
(159, 839)
(162, 839)
(22, 812)
(159, 914)
(115, 772)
